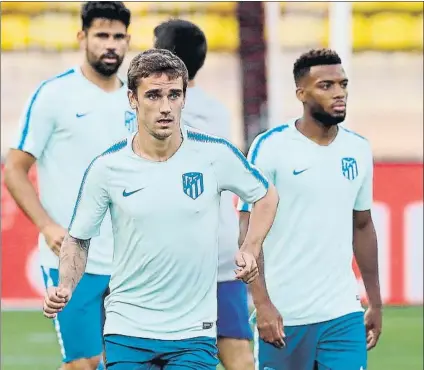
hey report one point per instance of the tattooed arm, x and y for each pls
(72, 261)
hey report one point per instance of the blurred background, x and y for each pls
(252, 48)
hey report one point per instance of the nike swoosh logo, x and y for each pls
(299, 172)
(79, 115)
(125, 194)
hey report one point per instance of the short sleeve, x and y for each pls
(37, 123)
(236, 174)
(364, 199)
(258, 157)
(92, 202)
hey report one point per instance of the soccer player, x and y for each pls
(201, 111)
(324, 174)
(162, 186)
(69, 119)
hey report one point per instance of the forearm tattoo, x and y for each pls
(72, 261)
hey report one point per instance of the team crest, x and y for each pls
(349, 168)
(130, 121)
(193, 184)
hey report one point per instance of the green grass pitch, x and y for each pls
(29, 342)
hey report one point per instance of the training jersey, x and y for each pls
(308, 251)
(165, 218)
(68, 121)
(204, 113)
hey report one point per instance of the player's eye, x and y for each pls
(153, 96)
(344, 84)
(119, 36)
(174, 95)
(325, 86)
(102, 35)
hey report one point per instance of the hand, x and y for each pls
(54, 235)
(248, 269)
(55, 300)
(373, 325)
(270, 324)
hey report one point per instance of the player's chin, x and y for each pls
(163, 133)
(338, 113)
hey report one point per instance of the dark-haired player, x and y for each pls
(205, 113)
(69, 119)
(324, 175)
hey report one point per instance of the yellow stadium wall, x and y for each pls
(382, 26)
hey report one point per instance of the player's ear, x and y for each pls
(132, 98)
(82, 38)
(300, 94)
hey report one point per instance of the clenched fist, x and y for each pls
(55, 300)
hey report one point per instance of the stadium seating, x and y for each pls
(385, 26)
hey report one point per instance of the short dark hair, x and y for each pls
(156, 61)
(112, 10)
(184, 39)
(314, 57)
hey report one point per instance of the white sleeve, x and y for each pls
(37, 123)
(364, 199)
(236, 174)
(257, 156)
(91, 204)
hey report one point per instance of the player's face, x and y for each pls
(324, 93)
(105, 44)
(158, 103)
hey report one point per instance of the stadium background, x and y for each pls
(385, 104)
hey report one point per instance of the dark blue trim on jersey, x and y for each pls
(113, 149)
(265, 136)
(31, 104)
(197, 136)
(255, 152)
(353, 133)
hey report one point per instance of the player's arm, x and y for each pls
(237, 175)
(269, 320)
(258, 156)
(36, 127)
(366, 253)
(90, 209)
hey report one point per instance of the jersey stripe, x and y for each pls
(245, 207)
(265, 136)
(196, 136)
(31, 104)
(353, 133)
(113, 149)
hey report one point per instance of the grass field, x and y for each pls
(29, 341)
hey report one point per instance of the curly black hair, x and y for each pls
(112, 10)
(314, 57)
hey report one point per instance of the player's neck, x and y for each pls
(106, 83)
(316, 131)
(147, 146)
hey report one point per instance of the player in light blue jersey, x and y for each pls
(202, 112)
(162, 186)
(69, 119)
(324, 175)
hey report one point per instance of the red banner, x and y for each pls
(397, 213)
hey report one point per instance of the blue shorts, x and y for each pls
(233, 311)
(338, 344)
(130, 353)
(79, 326)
